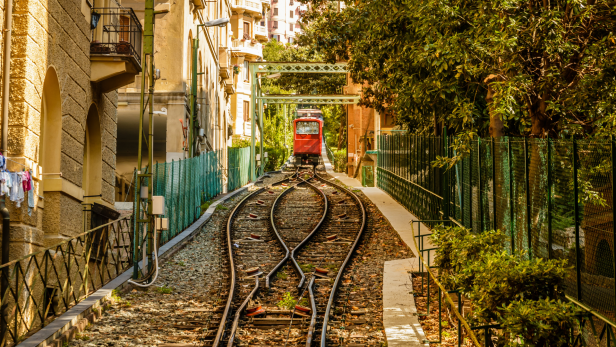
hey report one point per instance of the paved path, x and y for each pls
(402, 327)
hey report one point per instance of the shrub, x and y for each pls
(543, 322)
(498, 279)
(459, 246)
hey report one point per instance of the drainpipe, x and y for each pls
(6, 217)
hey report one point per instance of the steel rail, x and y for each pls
(223, 320)
(346, 260)
(267, 277)
(236, 321)
(279, 237)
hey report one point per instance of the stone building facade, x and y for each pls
(62, 123)
(173, 46)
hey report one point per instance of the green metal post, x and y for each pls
(262, 137)
(193, 97)
(446, 190)
(253, 100)
(576, 216)
(549, 196)
(493, 150)
(527, 183)
(510, 157)
(480, 203)
(148, 49)
(613, 157)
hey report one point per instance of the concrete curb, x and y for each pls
(64, 328)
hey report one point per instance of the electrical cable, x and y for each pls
(155, 267)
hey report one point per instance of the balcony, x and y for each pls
(252, 6)
(248, 48)
(226, 70)
(115, 50)
(260, 32)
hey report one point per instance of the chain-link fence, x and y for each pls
(553, 197)
(239, 167)
(186, 184)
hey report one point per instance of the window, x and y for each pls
(246, 31)
(275, 11)
(124, 28)
(246, 111)
(291, 26)
(263, 23)
(275, 26)
(290, 14)
(290, 40)
(246, 72)
(307, 128)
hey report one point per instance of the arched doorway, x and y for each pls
(51, 125)
(92, 155)
(49, 156)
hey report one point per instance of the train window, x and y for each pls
(307, 128)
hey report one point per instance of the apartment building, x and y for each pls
(284, 20)
(61, 115)
(180, 58)
(249, 26)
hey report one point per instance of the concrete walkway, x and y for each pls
(402, 327)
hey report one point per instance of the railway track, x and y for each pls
(288, 246)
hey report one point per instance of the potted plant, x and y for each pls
(236, 69)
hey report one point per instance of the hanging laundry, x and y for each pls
(2, 162)
(5, 183)
(30, 194)
(26, 181)
(17, 189)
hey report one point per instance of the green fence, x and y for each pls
(239, 167)
(186, 184)
(553, 197)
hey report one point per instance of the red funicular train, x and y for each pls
(308, 132)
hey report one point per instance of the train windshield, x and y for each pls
(307, 128)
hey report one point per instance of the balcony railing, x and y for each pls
(247, 47)
(260, 30)
(249, 5)
(116, 31)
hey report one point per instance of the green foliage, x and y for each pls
(307, 267)
(459, 246)
(282, 275)
(287, 301)
(498, 279)
(221, 207)
(240, 143)
(509, 289)
(538, 323)
(164, 289)
(539, 66)
(304, 302)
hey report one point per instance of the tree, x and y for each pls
(517, 67)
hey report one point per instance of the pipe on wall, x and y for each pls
(6, 217)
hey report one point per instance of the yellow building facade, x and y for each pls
(61, 117)
(249, 25)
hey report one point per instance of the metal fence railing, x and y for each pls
(186, 184)
(239, 167)
(40, 286)
(554, 198)
(116, 30)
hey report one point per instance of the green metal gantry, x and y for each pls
(258, 99)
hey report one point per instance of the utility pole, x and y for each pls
(147, 73)
(193, 96)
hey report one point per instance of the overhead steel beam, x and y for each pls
(273, 67)
(310, 99)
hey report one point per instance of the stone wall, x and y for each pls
(54, 35)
